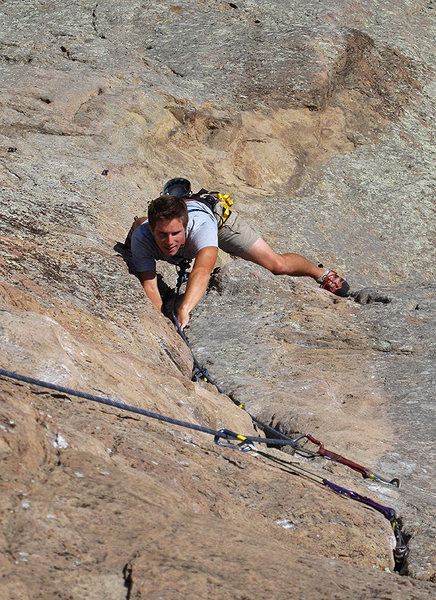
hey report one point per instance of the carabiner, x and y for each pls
(244, 445)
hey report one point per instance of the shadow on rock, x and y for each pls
(369, 296)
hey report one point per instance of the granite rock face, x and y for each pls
(317, 118)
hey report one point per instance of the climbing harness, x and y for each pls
(201, 373)
(240, 442)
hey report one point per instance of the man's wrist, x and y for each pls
(183, 308)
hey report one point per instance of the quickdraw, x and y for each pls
(365, 472)
(401, 550)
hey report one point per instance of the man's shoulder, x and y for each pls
(143, 231)
(196, 206)
(194, 202)
(202, 227)
(143, 240)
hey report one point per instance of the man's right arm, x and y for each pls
(148, 281)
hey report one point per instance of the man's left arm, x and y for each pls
(197, 282)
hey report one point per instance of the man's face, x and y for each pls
(169, 235)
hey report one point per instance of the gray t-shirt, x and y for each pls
(202, 231)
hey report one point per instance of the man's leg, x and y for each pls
(281, 264)
(240, 239)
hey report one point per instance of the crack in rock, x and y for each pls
(128, 581)
(94, 23)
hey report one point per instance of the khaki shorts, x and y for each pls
(236, 236)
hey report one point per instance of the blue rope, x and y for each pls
(107, 401)
(221, 434)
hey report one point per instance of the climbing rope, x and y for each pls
(225, 434)
(245, 444)
(201, 373)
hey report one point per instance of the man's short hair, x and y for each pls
(166, 208)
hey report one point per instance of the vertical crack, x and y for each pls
(401, 562)
(128, 581)
(94, 23)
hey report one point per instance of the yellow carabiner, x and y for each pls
(225, 199)
(227, 203)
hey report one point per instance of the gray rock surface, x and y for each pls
(317, 118)
(406, 365)
(359, 376)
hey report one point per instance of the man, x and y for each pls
(182, 225)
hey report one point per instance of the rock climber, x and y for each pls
(183, 225)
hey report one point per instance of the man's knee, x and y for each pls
(262, 254)
(277, 266)
(274, 263)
